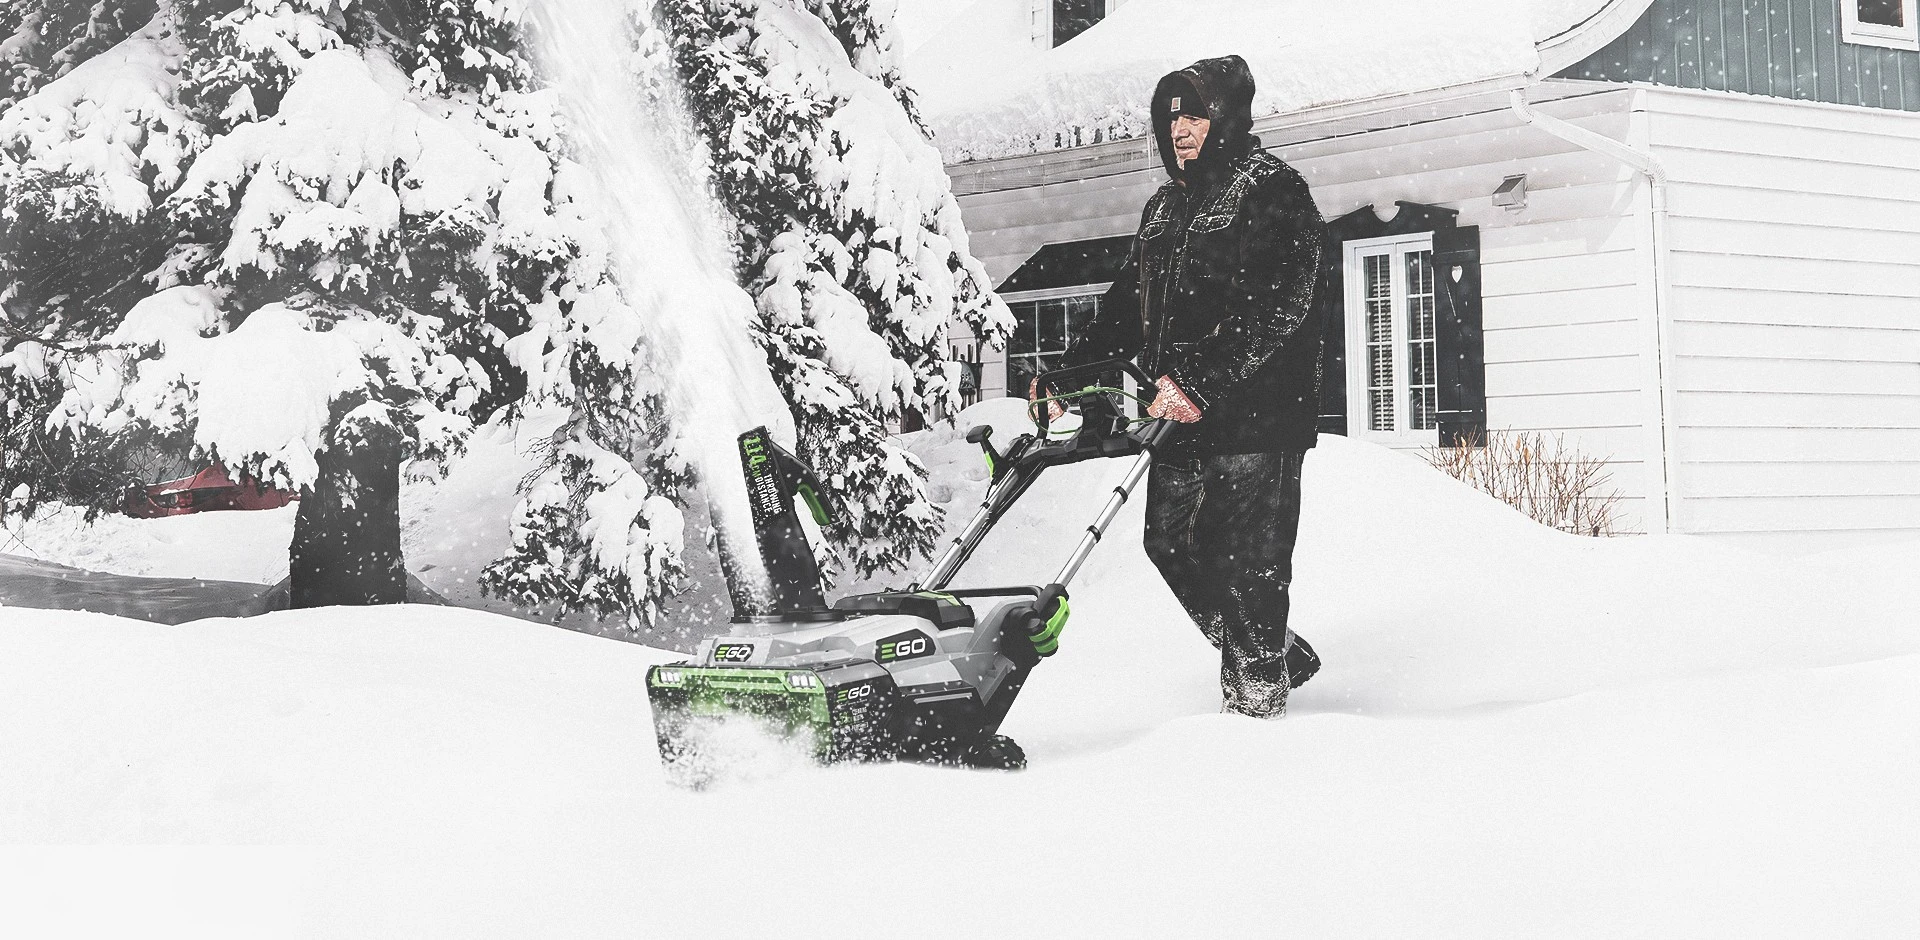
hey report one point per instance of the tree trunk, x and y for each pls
(346, 537)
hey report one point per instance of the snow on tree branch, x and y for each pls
(849, 237)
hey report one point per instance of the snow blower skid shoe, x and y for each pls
(919, 674)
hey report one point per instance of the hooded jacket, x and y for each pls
(1217, 290)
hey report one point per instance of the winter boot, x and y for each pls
(1302, 661)
(1243, 693)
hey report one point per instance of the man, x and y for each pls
(1216, 299)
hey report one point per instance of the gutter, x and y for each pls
(1388, 103)
(1644, 164)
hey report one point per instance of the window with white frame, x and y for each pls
(1043, 329)
(1392, 354)
(1890, 24)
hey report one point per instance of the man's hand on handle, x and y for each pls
(1172, 403)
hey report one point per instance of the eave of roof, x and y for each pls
(1121, 157)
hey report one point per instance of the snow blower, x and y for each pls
(915, 674)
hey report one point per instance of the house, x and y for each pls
(1684, 234)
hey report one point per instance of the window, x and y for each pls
(1890, 24)
(1392, 355)
(1073, 17)
(1054, 296)
(1044, 330)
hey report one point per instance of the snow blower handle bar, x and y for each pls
(1046, 617)
(1103, 433)
(1057, 379)
(1151, 438)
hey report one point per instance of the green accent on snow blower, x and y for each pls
(794, 700)
(812, 499)
(1047, 641)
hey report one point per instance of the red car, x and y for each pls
(206, 491)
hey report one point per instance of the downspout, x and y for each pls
(1656, 175)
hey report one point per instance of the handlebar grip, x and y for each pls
(1096, 368)
(1157, 433)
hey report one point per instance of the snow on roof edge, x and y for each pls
(989, 93)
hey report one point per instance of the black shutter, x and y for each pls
(1408, 217)
(1460, 348)
(1330, 296)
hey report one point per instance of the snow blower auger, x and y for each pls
(911, 675)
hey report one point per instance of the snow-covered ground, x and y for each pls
(451, 529)
(1517, 733)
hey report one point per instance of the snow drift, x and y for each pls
(1517, 732)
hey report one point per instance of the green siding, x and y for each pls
(1783, 48)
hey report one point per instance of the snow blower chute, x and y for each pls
(914, 674)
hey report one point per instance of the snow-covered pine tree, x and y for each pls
(348, 239)
(865, 30)
(599, 526)
(41, 40)
(849, 238)
(78, 228)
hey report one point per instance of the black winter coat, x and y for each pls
(1217, 291)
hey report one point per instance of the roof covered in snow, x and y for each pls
(989, 89)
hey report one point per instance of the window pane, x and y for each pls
(1073, 17)
(1021, 370)
(1053, 326)
(1080, 311)
(1025, 318)
(1883, 12)
(1422, 389)
(1379, 303)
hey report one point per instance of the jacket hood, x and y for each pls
(1226, 86)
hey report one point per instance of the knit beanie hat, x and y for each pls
(1189, 104)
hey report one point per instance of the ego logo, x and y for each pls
(854, 693)
(904, 646)
(733, 652)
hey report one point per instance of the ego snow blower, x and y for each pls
(917, 674)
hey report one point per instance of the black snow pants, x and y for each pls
(1221, 530)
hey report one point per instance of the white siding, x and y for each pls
(1795, 237)
(1562, 280)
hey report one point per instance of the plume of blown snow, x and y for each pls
(669, 251)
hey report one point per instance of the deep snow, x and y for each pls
(1517, 733)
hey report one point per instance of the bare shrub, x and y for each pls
(1550, 482)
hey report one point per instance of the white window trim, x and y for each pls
(1905, 38)
(1057, 293)
(1358, 405)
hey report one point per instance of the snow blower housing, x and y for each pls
(916, 674)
